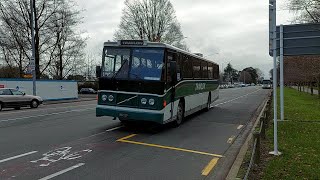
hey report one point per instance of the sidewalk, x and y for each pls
(82, 97)
(307, 90)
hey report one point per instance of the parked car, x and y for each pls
(12, 98)
(87, 91)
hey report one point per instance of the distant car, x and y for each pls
(12, 98)
(87, 91)
(266, 84)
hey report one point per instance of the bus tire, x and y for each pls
(208, 103)
(180, 114)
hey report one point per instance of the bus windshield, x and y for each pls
(133, 63)
(266, 82)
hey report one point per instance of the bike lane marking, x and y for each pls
(18, 156)
(62, 171)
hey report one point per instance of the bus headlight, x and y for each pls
(104, 97)
(144, 101)
(151, 102)
(110, 98)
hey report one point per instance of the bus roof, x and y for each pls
(144, 43)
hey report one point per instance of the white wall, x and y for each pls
(47, 89)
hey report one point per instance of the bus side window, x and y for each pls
(196, 68)
(215, 71)
(187, 67)
(210, 71)
(169, 59)
(179, 67)
(204, 69)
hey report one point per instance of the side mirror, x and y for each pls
(24, 93)
(98, 71)
(173, 72)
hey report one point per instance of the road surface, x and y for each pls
(67, 141)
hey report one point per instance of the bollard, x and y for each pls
(256, 136)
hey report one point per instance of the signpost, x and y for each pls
(288, 40)
(273, 27)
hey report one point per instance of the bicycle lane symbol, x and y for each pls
(63, 153)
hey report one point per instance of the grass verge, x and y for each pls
(298, 141)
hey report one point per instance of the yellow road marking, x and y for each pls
(127, 137)
(230, 140)
(210, 166)
(124, 139)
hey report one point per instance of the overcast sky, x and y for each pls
(234, 31)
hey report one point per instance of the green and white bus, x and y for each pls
(147, 81)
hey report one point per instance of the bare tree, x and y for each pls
(152, 20)
(55, 38)
(246, 77)
(307, 10)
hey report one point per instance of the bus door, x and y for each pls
(172, 77)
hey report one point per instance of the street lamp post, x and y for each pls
(32, 61)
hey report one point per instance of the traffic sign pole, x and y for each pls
(273, 18)
(32, 62)
(281, 75)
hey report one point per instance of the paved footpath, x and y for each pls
(307, 90)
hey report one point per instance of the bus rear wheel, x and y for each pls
(180, 114)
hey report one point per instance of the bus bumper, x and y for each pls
(130, 114)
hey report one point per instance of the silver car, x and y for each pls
(12, 98)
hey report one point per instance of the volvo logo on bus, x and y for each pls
(200, 86)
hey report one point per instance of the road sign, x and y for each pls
(272, 5)
(300, 39)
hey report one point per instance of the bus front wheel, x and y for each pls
(180, 114)
(208, 103)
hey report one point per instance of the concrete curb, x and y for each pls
(239, 159)
(224, 167)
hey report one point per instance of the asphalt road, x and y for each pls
(67, 141)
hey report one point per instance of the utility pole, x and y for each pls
(32, 61)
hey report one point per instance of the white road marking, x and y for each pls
(236, 98)
(240, 126)
(50, 114)
(42, 109)
(112, 129)
(62, 171)
(18, 156)
(63, 153)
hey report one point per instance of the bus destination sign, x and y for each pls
(133, 42)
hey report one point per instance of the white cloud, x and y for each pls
(236, 29)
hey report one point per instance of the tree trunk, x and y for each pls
(37, 41)
(311, 88)
(60, 64)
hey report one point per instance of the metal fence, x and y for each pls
(259, 134)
